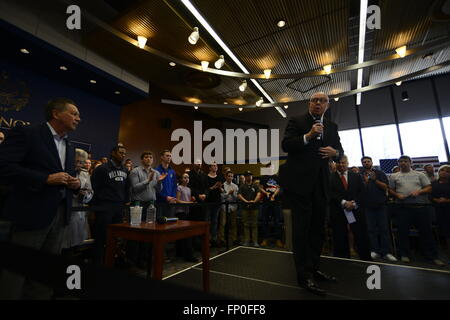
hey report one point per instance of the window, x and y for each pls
(381, 143)
(423, 139)
(352, 146)
(446, 121)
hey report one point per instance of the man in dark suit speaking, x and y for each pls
(310, 141)
(38, 162)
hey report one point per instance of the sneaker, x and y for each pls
(279, 244)
(405, 259)
(438, 262)
(255, 244)
(390, 257)
(374, 255)
(265, 243)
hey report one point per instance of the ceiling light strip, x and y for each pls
(216, 37)
(362, 39)
(341, 95)
(428, 48)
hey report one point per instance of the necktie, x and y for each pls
(344, 181)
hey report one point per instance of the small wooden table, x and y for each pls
(159, 235)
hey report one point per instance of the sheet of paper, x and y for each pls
(350, 216)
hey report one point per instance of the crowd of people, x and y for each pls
(365, 205)
(46, 179)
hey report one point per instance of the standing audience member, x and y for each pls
(87, 165)
(310, 140)
(78, 228)
(214, 184)
(184, 196)
(270, 209)
(374, 200)
(145, 183)
(168, 194)
(440, 195)
(229, 194)
(346, 189)
(111, 193)
(249, 194)
(38, 161)
(428, 169)
(104, 160)
(198, 184)
(410, 188)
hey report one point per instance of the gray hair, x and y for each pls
(81, 154)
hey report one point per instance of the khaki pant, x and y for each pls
(232, 228)
(250, 222)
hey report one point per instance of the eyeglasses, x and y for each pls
(321, 100)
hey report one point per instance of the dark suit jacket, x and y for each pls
(304, 165)
(338, 192)
(27, 157)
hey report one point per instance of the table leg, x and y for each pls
(205, 259)
(111, 246)
(158, 259)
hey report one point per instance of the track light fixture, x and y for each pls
(267, 73)
(259, 102)
(195, 35)
(220, 62)
(243, 86)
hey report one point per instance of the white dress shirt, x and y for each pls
(60, 143)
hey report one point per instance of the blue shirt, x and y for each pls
(169, 188)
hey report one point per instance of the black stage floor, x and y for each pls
(262, 274)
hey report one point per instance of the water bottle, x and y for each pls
(151, 213)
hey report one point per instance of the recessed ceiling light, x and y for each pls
(225, 102)
(172, 64)
(240, 109)
(401, 51)
(398, 83)
(336, 99)
(92, 81)
(286, 106)
(195, 107)
(23, 50)
(267, 73)
(141, 42)
(63, 68)
(327, 68)
(205, 65)
(117, 92)
(281, 23)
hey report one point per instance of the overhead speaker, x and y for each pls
(405, 96)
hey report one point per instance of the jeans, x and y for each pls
(213, 217)
(421, 218)
(378, 230)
